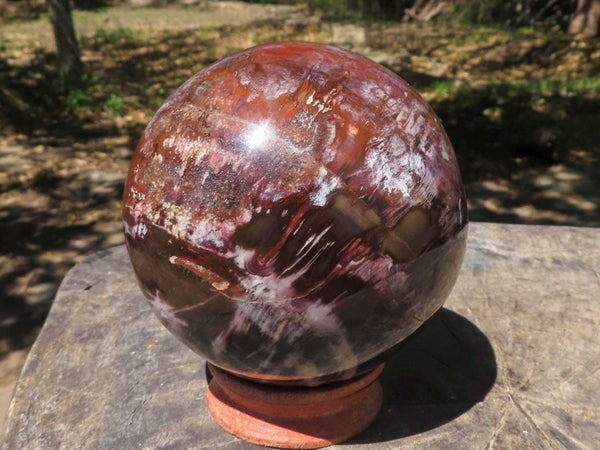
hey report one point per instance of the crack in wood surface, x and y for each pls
(499, 426)
(531, 420)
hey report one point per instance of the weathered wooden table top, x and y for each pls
(512, 361)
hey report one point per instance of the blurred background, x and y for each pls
(516, 83)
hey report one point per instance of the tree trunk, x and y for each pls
(586, 19)
(69, 62)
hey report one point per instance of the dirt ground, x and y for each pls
(521, 108)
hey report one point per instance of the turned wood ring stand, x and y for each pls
(296, 417)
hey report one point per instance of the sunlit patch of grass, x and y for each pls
(443, 87)
(211, 51)
(589, 85)
(89, 16)
(118, 36)
(115, 105)
(203, 33)
(537, 93)
(78, 98)
(563, 87)
(88, 94)
(184, 58)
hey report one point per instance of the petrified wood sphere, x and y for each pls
(294, 210)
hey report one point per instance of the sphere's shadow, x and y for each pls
(434, 376)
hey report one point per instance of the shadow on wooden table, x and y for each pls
(434, 376)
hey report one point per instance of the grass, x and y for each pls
(211, 51)
(115, 105)
(117, 36)
(443, 87)
(569, 86)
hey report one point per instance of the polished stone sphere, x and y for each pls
(293, 211)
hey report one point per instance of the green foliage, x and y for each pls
(85, 95)
(182, 59)
(443, 87)
(117, 36)
(494, 125)
(115, 105)
(78, 98)
(211, 51)
(203, 33)
(536, 88)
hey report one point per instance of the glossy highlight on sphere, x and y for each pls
(294, 210)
